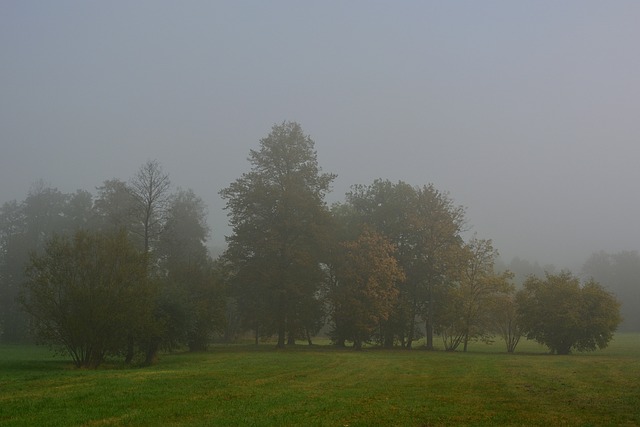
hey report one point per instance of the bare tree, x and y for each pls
(150, 189)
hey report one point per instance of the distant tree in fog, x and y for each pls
(192, 302)
(150, 190)
(25, 227)
(620, 273)
(114, 206)
(522, 269)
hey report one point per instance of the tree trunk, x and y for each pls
(429, 333)
(357, 344)
(152, 352)
(281, 334)
(412, 322)
(306, 330)
(388, 336)
(130, 351)
(429, 322)
(282, 321)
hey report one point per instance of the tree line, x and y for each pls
(127, 273)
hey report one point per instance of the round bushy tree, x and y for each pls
(88, 295)
(563, 315)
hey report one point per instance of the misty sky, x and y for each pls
(526, 112)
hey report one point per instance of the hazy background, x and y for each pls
(527, 112)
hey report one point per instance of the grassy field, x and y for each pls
(255, 386)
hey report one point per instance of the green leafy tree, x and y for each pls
(563, 315)
(84, 293)
(364, 290)
(280, 223)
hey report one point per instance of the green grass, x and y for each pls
(249, 386)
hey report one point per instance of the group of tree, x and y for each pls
(127, 272)
(391, 256)
(123, 273)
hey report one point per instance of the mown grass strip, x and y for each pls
(239, 385)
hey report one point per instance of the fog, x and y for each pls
(525, 112)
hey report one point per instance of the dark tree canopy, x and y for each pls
(563, 315)
(279, 221)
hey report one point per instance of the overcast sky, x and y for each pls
(526, 112)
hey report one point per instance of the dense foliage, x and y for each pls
(88, 295)
(563, 315)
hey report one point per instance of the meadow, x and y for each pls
(246, 385)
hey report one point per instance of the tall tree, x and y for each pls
(439, 226)
(279, 221)
(150, 190)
